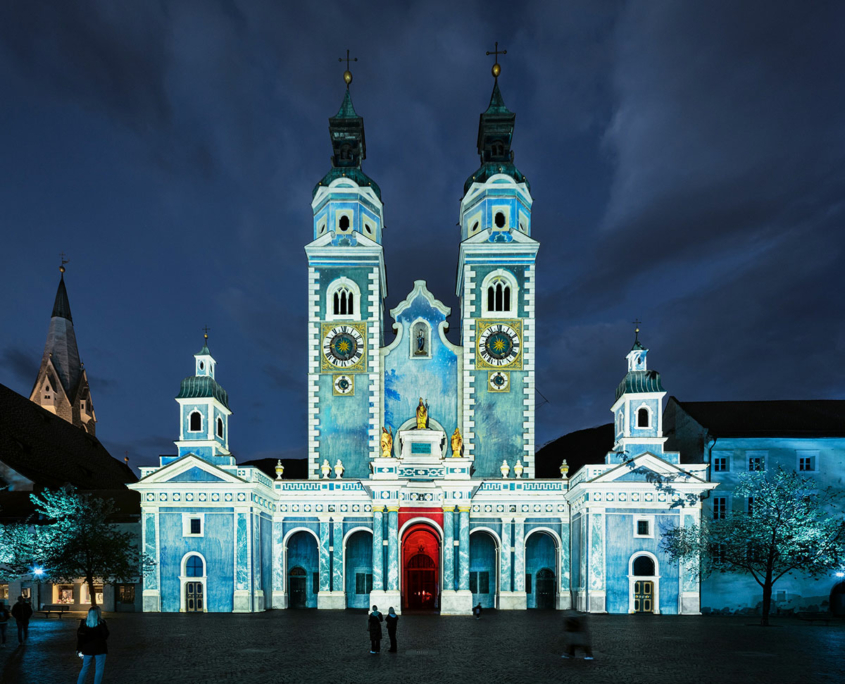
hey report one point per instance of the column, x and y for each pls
(393, 548)
(463, 549)
(325, 562)
(505, 561)
(378, 548)
(241, 601)
(151, 592)
(519, 556)
(448, 548)
(337, 555)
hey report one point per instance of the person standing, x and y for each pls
(4, 621)
(374, 627)
(91, 644)
(577, 635)
(22, 612)
(392, 621)
(477, 611)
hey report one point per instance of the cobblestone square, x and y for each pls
(312, 646)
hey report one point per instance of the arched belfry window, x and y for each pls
(643, 417)
(343, 300)
(195, 422)
(220, 427)
(499, 293)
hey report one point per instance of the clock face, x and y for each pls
(343, 385)
(499, 345)
(498, 381)
(343, 347)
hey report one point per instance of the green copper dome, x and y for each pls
(639, 382)
(200, 387)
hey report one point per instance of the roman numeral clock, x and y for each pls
(344, 349)
(499, 350)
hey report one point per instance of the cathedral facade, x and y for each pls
(421, 490)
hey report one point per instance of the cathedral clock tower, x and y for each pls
(346, 290)
(496, 285)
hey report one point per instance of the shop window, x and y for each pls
(126, 593)
(4, 592)
(64, 593)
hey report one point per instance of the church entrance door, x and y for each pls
(296, 582)
(546, 589)
(193, 597)
(643, 597)
(421, 580)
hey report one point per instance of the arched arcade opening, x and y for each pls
(541, 554)
(303, 569)
(420, 568)
(358, 567)
(483, 568)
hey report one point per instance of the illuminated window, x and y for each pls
(126, 593)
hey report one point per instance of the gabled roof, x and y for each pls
(646, 467)
(52, 452)
(787, 418)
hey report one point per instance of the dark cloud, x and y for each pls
(21, 363)
(686, 161)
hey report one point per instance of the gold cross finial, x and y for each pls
(347, 75)
(496, 52)
(206, 330)
(64, 261)
(637, 323)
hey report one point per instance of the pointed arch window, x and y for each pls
(343, 300)
(499, 293)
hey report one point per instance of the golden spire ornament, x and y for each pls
(497, 68)
(347, 75)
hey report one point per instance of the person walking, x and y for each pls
(576, 635)
(374, 627)
(22, 612)
(477, 611)
(392, 620)
(4, 621)
(91, 644)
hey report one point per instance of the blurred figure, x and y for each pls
(392, 620)
(22, 612)
(91, 644)
(4, 620)
(576, 634)
(477, 611)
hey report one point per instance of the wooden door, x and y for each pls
(194, 599)
(643, 597)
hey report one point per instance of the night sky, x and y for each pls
(686, 161)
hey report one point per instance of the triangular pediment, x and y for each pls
(646, 468)
(190, 468)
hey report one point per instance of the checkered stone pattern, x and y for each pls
(313, 328)
(528, 334)
(468, 342)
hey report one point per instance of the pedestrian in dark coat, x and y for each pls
(22, 612)
(477, 611)
(392, 620)
(91, 644)
(4, 620)
(374, 627)
(577, 635)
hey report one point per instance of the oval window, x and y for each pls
(500, 219)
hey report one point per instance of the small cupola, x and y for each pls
(205, 363)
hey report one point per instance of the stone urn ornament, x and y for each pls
(518, 469)
(505, 468)
(325, 468)
(338, 469)
(280, 469)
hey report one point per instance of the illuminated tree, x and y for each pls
(791, 526)
(78, 539)
(17, 550)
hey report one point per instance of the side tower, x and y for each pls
(204, 413)
(62, 383)
(346, 291)
(638, 409)
(496, 285)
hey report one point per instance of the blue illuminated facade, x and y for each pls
(421, 489)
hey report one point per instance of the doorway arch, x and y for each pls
(303, 575)
(643, 583)
(542, 551)
(358, 567)
(484, 568)
(420, 568)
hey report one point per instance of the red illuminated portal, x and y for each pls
(421, 568)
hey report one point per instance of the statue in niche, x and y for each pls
(386, 442)
(457, 443)
(420, 340)
(422, 415)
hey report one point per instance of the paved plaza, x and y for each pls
(513, 647)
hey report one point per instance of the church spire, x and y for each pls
(62, 384)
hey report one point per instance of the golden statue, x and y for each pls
(422, 415)
(386, 443)
(457, 443)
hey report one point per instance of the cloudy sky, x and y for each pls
(686, 160)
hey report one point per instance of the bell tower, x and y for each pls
(346, 291)
(496, 286)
